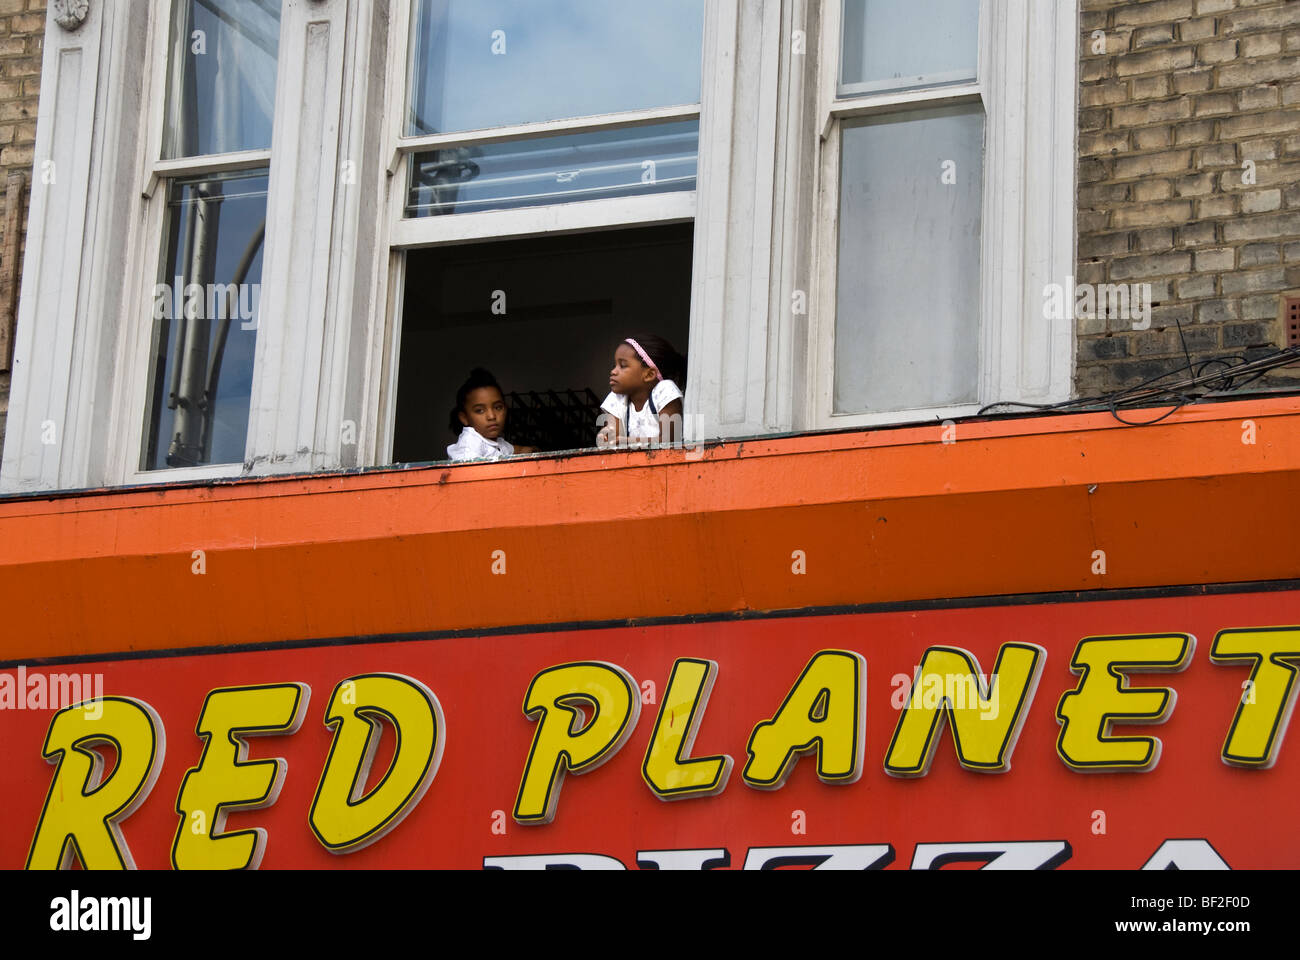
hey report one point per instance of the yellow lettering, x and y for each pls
(1103, 697)
(1263, 714)
(565, 739)
(666, 770)
(825, 712)
(343, 819)
(223, 781)
(82, 815)
(985, 723)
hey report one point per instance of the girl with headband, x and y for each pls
(645, 402)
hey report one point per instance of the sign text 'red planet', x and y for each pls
(585, 712)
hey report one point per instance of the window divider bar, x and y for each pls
(901, 100)
(532, 131)
(608, 214)
(199, 166)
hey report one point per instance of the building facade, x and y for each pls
(983, 311)
(23, 26)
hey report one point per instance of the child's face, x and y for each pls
(630, 374)
(485, 411)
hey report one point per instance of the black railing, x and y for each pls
(553, 420)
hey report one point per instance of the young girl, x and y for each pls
(480, 416)
(645, 402)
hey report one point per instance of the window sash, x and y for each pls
(241, 194)
(835, 108)
(132, 428)
(907, 320)
(547, 128)
(902, 83)
(529, 221)
(1027, 67)
(240, 65)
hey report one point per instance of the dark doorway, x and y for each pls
(545, 316)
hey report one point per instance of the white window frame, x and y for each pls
(583, 216)
(294, 405)
(562, 217)
(157, 174)
(78, 355)
(1026, 84)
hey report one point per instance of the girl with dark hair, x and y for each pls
(645, 400)
(480, 418)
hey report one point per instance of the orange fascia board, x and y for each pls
(1015, 506)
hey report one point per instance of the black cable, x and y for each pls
(1183, 340)
(1146, 394)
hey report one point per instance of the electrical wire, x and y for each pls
(1239, 373)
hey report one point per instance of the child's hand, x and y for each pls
(607, 435)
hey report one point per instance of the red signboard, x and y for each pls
(1124, 733)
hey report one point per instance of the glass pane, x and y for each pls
(490, 63)
(907, 320)
(205, 314)
(221, 85)
(524, 173)
(896, 44)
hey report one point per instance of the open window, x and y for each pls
(545, 178)
(544, 315)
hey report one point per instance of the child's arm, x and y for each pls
(672, 423)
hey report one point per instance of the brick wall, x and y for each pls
(22, 32)
(1183, 95)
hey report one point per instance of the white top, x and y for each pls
(472, 445)
(645, 423)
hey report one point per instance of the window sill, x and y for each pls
(992, 427)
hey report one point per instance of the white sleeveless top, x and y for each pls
(644, 423)
(472, 445)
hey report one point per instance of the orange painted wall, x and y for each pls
(1014, 506)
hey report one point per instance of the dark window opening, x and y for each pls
(544, 316)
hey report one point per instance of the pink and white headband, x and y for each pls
(645, 357)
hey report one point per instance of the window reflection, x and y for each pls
(907, 324)
(221, 89)
(896, 44)
(622, 162)
(206, 311)
(488, 63)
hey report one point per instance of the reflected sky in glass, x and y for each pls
(240, 214)
(598, 165)
(561, 59)
(908, 308)
(894, 44)
(221, 96)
